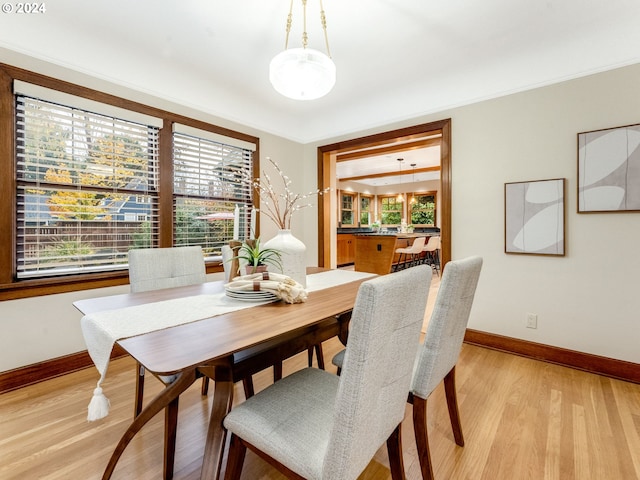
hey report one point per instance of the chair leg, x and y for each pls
(422, 440)
(310, 356)
(394, 449)
(394, 268)
(277, 371)
(247, 383)
(205, 386)
(320, 355)
(137, 407)
(452, 405)
(235, 458)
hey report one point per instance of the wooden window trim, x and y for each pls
(10, 287)
(354, 208)
(402, 210)
(435, 209)
(371, 210)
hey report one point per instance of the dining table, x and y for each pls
(214, 346)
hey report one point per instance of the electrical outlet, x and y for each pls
(532, 320)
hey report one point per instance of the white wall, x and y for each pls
(587, 301)
(36, 329)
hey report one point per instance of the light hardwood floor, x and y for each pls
(522, 419)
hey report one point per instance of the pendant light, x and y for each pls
(303, 73)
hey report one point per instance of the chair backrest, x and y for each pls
(447, 325)
(384, 335)
(432, 244)
(155, 268)
(418, 244)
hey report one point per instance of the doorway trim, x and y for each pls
(325, 153)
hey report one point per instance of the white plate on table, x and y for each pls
(251, 295)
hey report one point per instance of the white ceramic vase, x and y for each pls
(293, 253)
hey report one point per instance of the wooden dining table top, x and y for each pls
(191, 344)
(206, 347)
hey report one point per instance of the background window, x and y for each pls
(83, 180)
(366, 210)
(347, 209)
(423, 210)
(212, 197)
(390, 211)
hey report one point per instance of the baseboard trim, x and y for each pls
(609, 367)
(56, 367)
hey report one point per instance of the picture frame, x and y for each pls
(534, 217)
(609, 170)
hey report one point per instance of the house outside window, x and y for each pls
(79, 174)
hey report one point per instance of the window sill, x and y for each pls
(72, 283)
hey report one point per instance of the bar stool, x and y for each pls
(432, 250)
(414, 252)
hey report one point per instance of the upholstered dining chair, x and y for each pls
(156, 268)
(318, 426)
(410, 254)
(438, 355)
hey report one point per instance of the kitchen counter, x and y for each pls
(376, 252)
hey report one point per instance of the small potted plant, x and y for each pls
(375, 226)
(258, 258)
(410, 228)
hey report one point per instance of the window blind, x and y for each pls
(212, 191)
(87, 188)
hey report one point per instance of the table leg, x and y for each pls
(344, 319)
(217, 434)
(170, 433)
(162, 400)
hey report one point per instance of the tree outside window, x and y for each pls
(347, 209)
(366, 210)
(390, 210)
(423, 210)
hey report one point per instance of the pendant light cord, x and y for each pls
(305, 36)
(323, 20)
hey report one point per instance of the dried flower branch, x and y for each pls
(280, 207)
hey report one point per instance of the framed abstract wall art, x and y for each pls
(534, 219)
(609, 170)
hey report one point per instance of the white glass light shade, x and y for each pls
(302, 73)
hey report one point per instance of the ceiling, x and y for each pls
(396, 60)
(399, 162)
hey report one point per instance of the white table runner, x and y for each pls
(102, 329)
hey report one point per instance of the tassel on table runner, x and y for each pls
(99, 405)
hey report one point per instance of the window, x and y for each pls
(423, 210)
(80, 176)
(366, 210)
(347, 209)
(390, 210)
(212, 199)
(89, 176)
